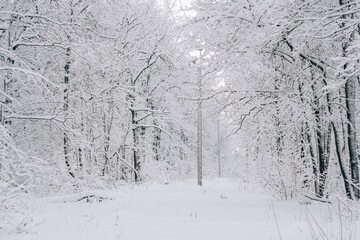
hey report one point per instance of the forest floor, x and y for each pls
(221, 209)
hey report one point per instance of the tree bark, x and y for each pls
(350, 94)
(344, 171)
(136, 158)
(199, 131)
(350, 88)
(66, 110)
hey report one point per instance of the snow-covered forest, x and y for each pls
(213, 104)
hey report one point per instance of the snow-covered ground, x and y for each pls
(221, 209)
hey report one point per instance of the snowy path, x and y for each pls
(181, 211)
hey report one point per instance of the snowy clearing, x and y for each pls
(222, 209)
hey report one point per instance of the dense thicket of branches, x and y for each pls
(94, 93)
(90, 96)
(291, 83)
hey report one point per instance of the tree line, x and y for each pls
(291, 83)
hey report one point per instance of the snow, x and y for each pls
(221, 209)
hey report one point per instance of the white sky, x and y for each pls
(176, 3)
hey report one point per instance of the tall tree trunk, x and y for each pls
(313, 160)
(321, 134)
(307, 140)
(199, 131)
(344, 171)
(66, 111)
(156, 142)
(107, 125)
(350, 94)
(136, 157)
(350, 88)
(83, 133)
(106, 145)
